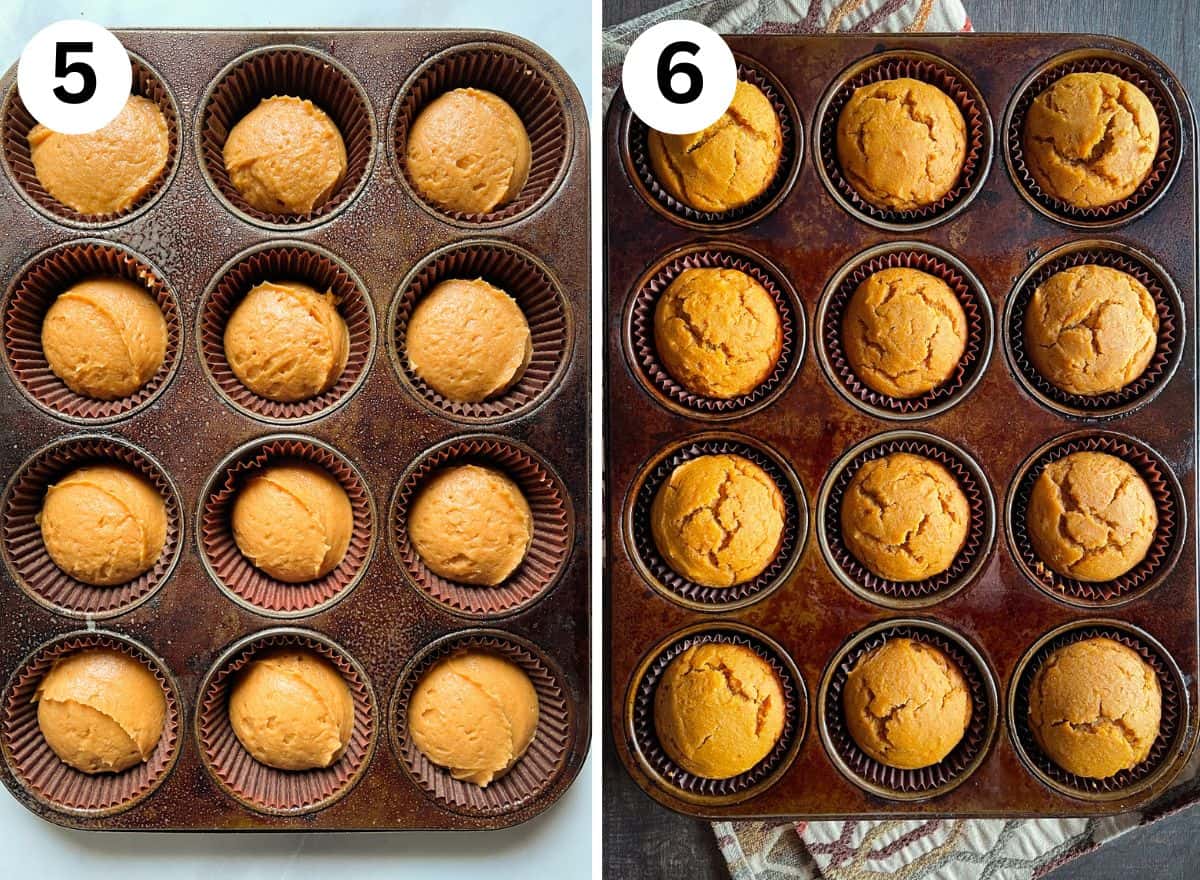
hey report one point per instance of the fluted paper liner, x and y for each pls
(537, 293)
(18, 122)
(1168, 537)
(792, 149)
(34, 764)
(25, 552)
(656, 375)
(281, 263)
(299, 73)
(236, 575)
(537, 769)
(267, 789)
(34, 291)
(744, 785)
(795, 526)
(549, 548)
(519, 80)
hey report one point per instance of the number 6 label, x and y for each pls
(679, 77)
(74, 76)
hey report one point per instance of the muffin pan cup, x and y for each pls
(813, 426)
(369, 432)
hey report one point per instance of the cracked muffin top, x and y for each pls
(1091, 516)
(906, 704)
(718, 520)
(1095, 707)
(1090, 139)
(717, 332)
(718, 710)
(901, 143)
(1091, 329)
(904, 332)
(728, 164)
(905, 517)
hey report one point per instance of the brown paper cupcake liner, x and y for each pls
(519, 80)
(924, 782)
(263, 788)
(655, 375)
(966, 564)
(1168, 537)
(286, 261)
(25, 552)
(744, 785)
(18, 163)
(673, 584)
(549, 548)
(524, 278)
(59, 785)
(789, 160)
(537, 769)
(1172, 727)
(935, 72)
(1141, 390)
(970, 366)
(236, 575)
(1162, 172)
(34, 291)
(297, 72)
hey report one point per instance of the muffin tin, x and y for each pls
(197, 616)
(813, 423)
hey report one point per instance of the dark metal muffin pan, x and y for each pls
(381, 621)
(997, 234)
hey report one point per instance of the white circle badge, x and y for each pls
(74, 76)
(679, 77)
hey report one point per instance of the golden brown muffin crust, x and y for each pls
(901, 143)
(906, 704)
(728, 164)
(1091, 329)
(718, 520)
(1095, 707)
(1090, 139)
(1091, 516)
(718, 710)
(904, 332)
(905, 517)
(717, 331)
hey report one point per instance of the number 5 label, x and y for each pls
(74, 76)
(679, 77)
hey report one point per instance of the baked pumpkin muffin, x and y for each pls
(1091, 516)
(717, 520)
(901, 143)
(904, 517)
(1090, 139)
(103, 524)
(471, 524)
(1091, 329)
(104, 337)
(904, 332)
(108, 170)
(100, 710)
(286, 156)
(474, 713)
(727, 165)
(468, 151)
(291, 709)
(468, 340)
(717, 332)
(906, 704)
(1095, 707)
(718, 710)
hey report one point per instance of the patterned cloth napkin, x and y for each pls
(934, 849)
